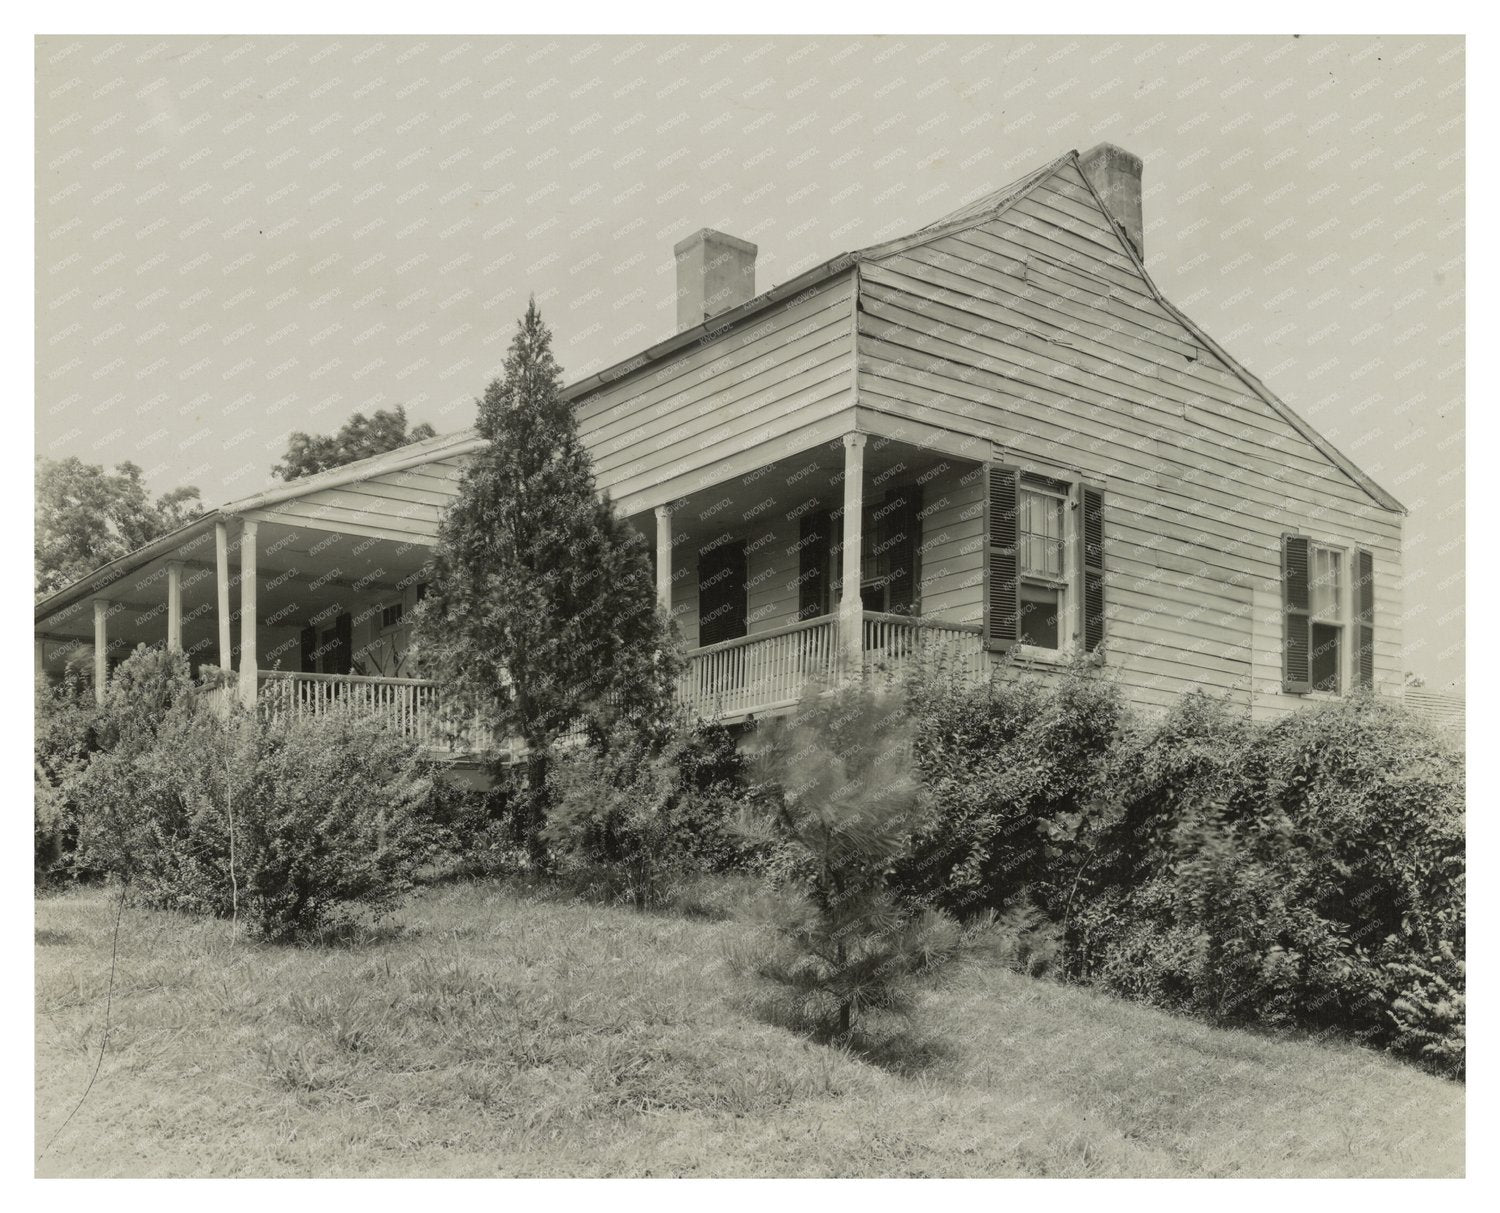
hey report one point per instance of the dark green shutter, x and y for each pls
(1296, 574)
(1364, 621)
(903, 527)
(813, 577)
(1002, 599)
(309, 650)
(1093, 567)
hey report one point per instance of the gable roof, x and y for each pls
(983, 209)
(1273, 401)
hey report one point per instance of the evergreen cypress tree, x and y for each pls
(542, 609)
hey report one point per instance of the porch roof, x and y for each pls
(301, 574)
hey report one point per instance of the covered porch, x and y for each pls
(855, 557)
(307, 620)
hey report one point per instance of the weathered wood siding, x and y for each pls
(1036, 331)
(770, 376)
(404, 505)
(952, 551)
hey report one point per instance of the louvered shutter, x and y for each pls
(904, 528)
(1296, 573)
(1364, 620)
(309, 649)
(1092, 556)
(1002, 602)
(812, 565)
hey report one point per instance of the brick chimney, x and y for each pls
(1116, 174)
(715, 272)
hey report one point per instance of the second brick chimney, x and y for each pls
(715, 272)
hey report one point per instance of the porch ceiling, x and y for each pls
(775, 496)
(302, 573)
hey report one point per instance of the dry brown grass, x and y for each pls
(495, 1031)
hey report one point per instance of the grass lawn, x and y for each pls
(497, 1032)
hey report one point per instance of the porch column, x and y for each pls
(248, 579)
(101, 648)
(221, 552)
(41, 655)
(174, 606)
(851, 620)
(664, 557)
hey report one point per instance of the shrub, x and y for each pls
(1308, 873)
(1304, 874)
(846, 800)
(1014, 771)
(475, 831)
(291, 825)
(65, 738)
(634, 816)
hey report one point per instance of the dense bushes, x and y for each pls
(289, 825)
(1308, 873)
(638, 814)
(66, 720)
(1012, 771)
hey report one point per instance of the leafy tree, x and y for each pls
(541, 613)
(87, 516)
(358, 438)
(848, 802)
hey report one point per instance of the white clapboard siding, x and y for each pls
(769, 377)
(405, 505)
(1036, 331)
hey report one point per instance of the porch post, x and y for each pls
(248, 672)
(221, 552)
(174, 606)
(101, 648)
(41, 654)
(851, 617)
(664, 557)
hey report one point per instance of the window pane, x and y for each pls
(1327, 570)
(1041, 547)
(1039, 616)
(1325, 657)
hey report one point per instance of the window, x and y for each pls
(1326, 612)
(1042, 560)
(390, 616)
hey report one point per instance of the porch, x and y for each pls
(727, 682)
(856, 556)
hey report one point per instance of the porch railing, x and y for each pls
(896, 644)
(759, 674)
(409, 706)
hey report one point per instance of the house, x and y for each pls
(990, 442)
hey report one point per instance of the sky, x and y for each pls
(242, 237)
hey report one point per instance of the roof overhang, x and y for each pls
(107, 574)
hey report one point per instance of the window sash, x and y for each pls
(1325, 588)
(1043, 534)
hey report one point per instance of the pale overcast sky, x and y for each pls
(239, 237)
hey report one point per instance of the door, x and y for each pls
(722, 596)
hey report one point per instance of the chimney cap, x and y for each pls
(1108, 151)
(708, 235)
